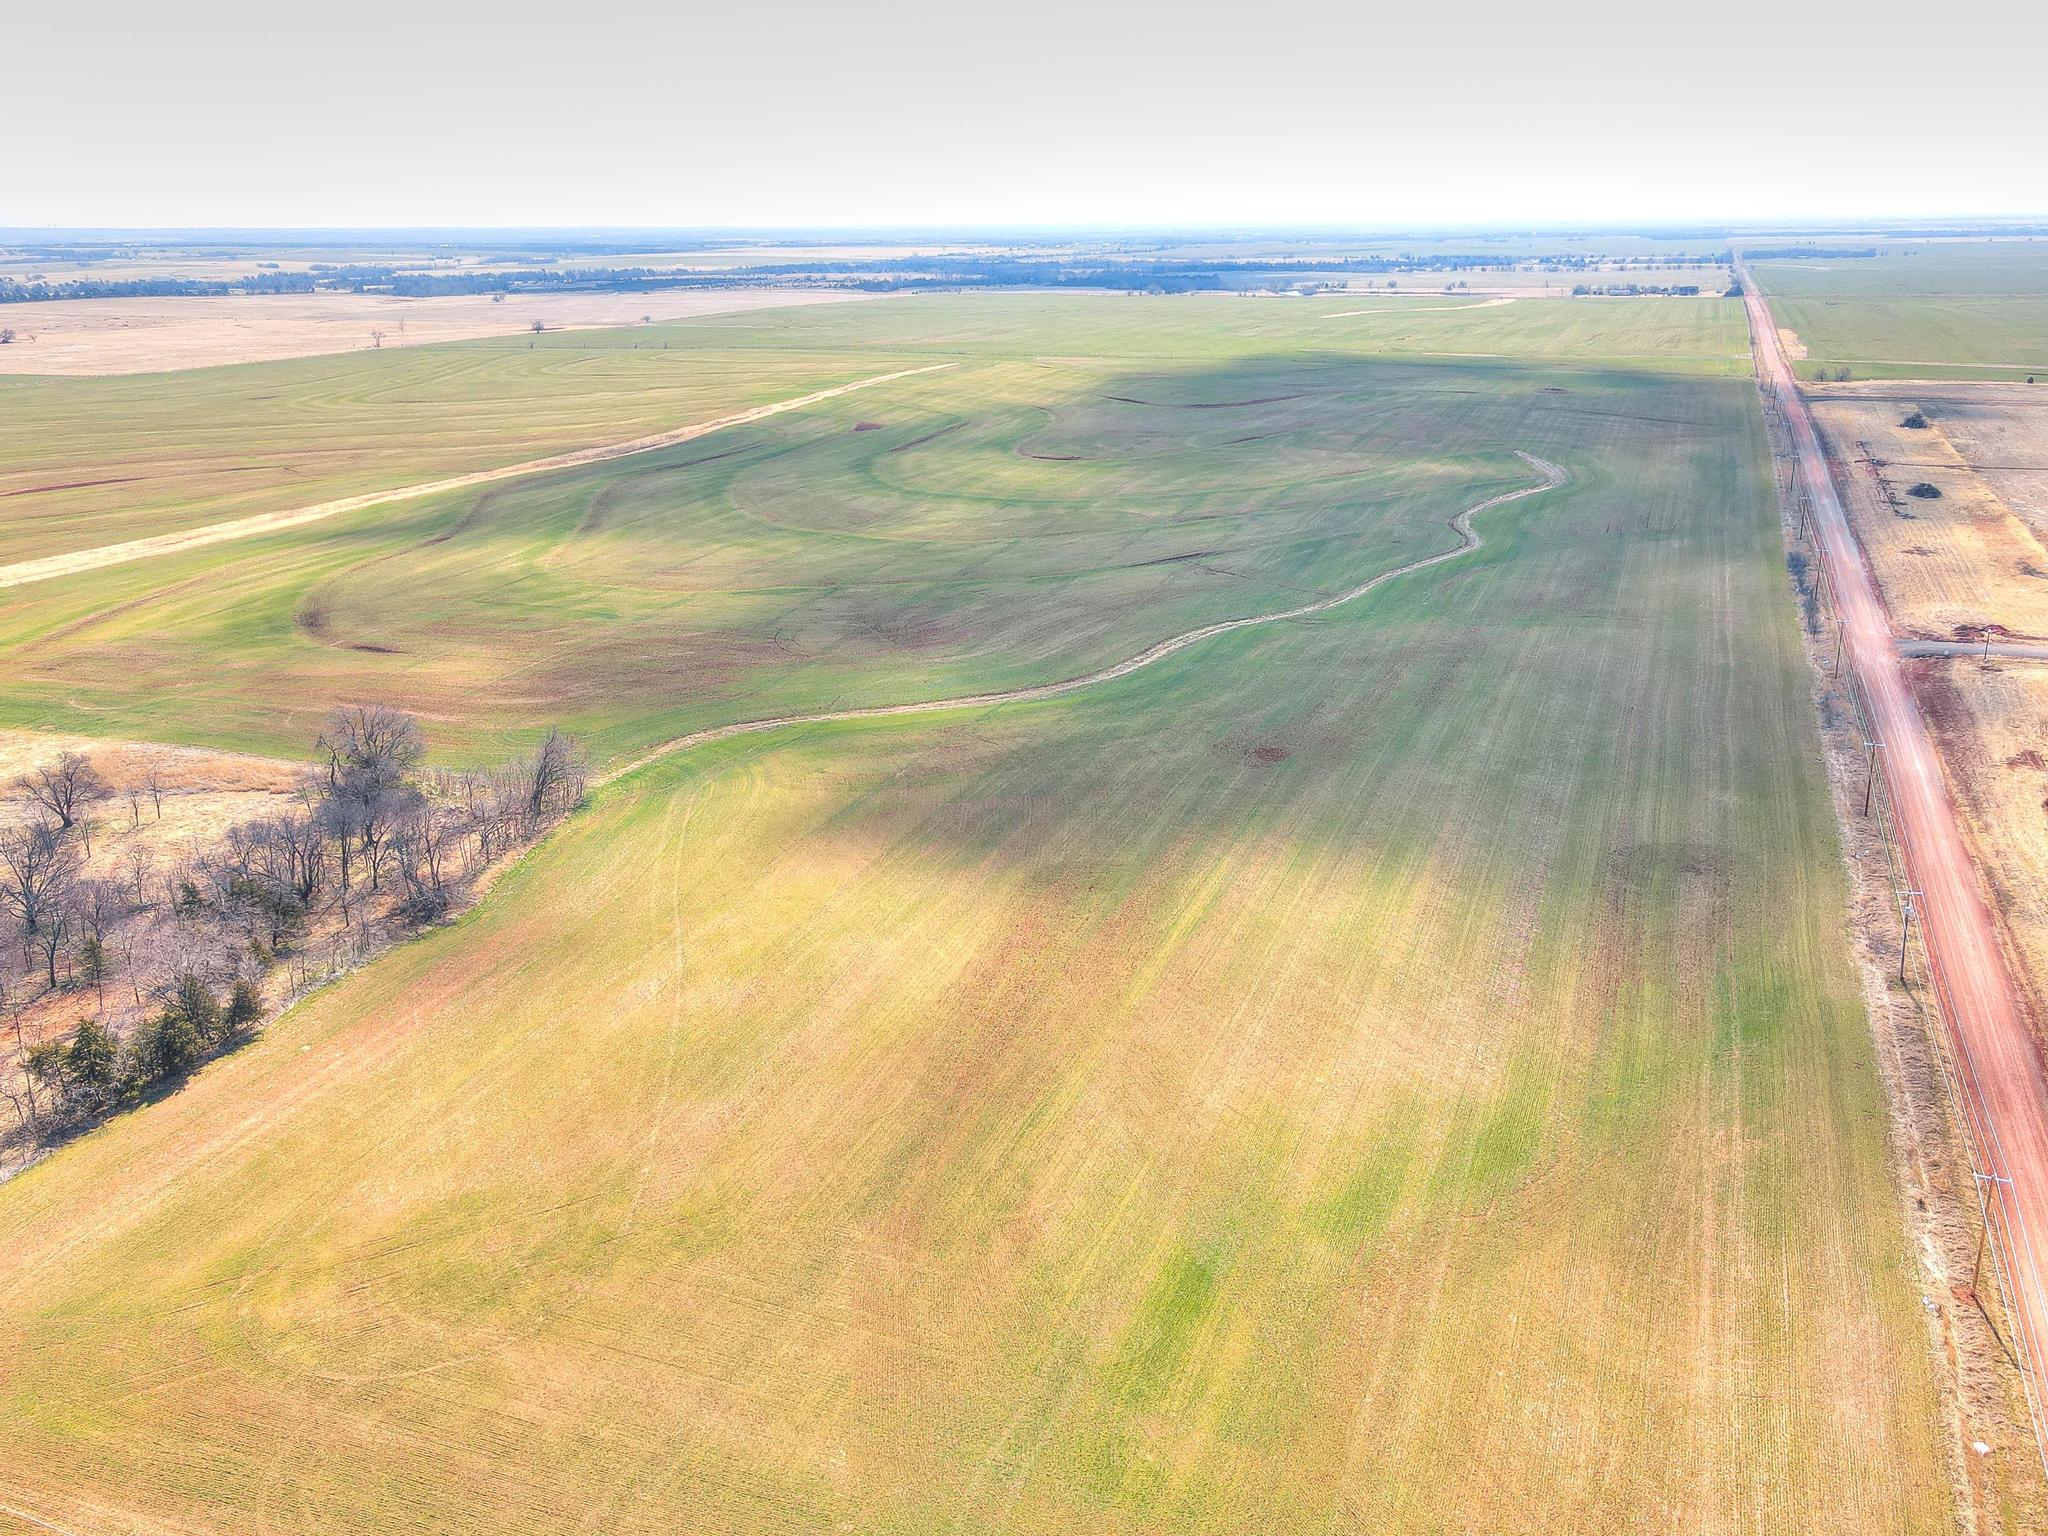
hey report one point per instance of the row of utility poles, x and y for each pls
(1825, 599)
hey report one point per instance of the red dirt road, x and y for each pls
(2003, 1082)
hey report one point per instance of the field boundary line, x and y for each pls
(48, 567)
(1469, 540)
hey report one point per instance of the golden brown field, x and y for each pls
(1968, 558)
(79, 337)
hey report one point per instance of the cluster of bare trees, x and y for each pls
(368, 845)
(42, 888)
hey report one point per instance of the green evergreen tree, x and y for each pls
(245, 1008)
(93, 967)
(91, 1065)
(167, 1047)
(193, 1002)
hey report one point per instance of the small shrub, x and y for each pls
(427, 904)
(1916, 421)
(245, 1007)
(93, 968)
(1925, 492)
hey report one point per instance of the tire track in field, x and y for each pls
(74, 561)
(1469, 540)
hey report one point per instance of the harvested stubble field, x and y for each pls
(1976, 556)
(1967, 557)
(92, 337)
(1991, 722)
(1394, 1071)
(2002, 431)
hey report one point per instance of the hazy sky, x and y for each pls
(1113, 112)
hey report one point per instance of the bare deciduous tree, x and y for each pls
(66, 788)
(370, 749)
(20, 1084)
(100, 904)
(555, 778)
(38, 868)
(371, 743)
(138, 867)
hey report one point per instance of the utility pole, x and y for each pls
(1984, 1218)
(1905, 931)
(1835, 668)
(1869, 774)
(1997, 1183)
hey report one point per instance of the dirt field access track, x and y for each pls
(72, 563)
(1468, 540)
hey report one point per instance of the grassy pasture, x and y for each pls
(1947, 310)
(1696, 335)
(1003, 522)
(90, 461)
(87, 461)
(1921, 338)
(1931, 269)
(1091, 473)
(1399, 1071)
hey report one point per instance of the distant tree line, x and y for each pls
(1800, 252)
(1632, 290)
(886, 274)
